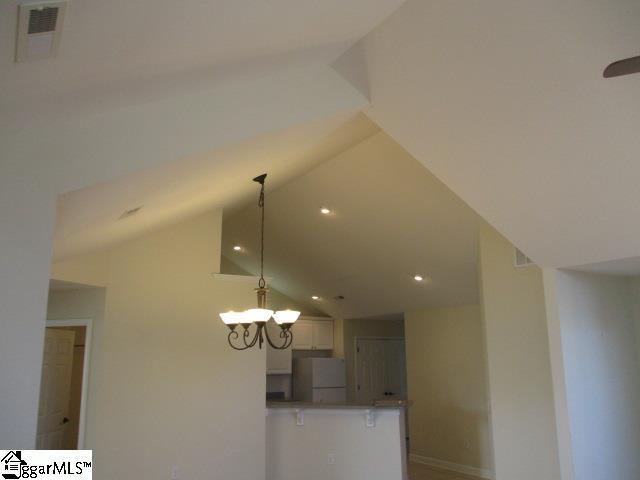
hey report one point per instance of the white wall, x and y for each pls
(520, 383)
(447, 381)
(297, 452)
(601, 373)
(165, 388)
(635, 285)
(26, 229)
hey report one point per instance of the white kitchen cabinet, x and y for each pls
(313, 333)
(302, 334)
(278, 361)
(323, 334)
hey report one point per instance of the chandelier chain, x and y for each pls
(257, 317)
(261, 282)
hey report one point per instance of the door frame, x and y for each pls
(355, 357)
(88, 338)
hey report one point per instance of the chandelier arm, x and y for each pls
(282, 347)
(288, 336)
(253, 341)
(234, 334)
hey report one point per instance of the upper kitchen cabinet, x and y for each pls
(278, 361)
(313, 333)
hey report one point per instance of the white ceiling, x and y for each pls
(124, 49)
(392, 219)
(88, 219)
(505, 103)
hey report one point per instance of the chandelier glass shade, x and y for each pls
(260, 315)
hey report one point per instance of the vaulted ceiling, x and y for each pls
(505, 103)
(123, 51)
(90, 218)
(173, 105)
(390, 220)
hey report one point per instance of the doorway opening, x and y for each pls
(63, 385)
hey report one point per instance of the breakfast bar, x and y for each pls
(317, 441)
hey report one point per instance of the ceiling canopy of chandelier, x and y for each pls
(261, 315)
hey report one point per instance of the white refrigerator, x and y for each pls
(319, 380)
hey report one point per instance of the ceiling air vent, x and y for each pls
(520, 259)
(129, 213)
(39, 30)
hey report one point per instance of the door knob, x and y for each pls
(64, 420)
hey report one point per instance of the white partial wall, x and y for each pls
(165, 388)
(26, 230)
(595, 319)
(520, 382)
(44, 154)
(447, 382)
(335, 444)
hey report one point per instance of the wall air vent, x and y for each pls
(39, 29)
(520, 259)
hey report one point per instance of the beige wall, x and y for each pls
(276, 299)
(520, 384)
(165, 389)
(447, 381)
(364, 328)
(88, 269)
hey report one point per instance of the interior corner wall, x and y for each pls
(520, 382)
(447, 382)
(165, 388)
(601, 372)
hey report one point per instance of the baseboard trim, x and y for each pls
(454, 467)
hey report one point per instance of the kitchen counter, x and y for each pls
(387, 404)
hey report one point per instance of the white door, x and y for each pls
(55, 386)
(302, 335)
(380, 369)
(323, 334)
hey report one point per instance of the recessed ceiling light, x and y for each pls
(315, 297)
(418, 278)
(325, 211)
(237, 248)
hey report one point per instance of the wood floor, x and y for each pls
(425, 472)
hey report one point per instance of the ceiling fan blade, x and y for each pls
(622, 67)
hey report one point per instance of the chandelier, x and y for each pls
(261, 315)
